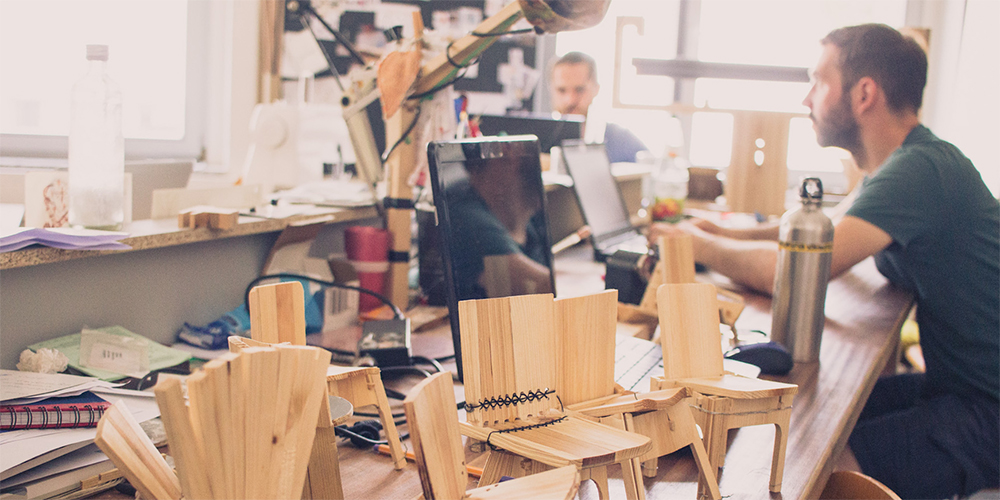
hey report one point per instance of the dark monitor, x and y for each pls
(490, 205)
(550, 131)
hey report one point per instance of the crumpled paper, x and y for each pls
(44, 361)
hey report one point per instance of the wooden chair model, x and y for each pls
(586, 334)
(437, 448)
(277, 314)
(510, 356)
(692, 358)
(676, 265)
(851, 485)
(247, 431)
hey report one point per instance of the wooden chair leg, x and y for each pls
(631, 469)
(716, 431)
(650, 467)
(708, 483)
(778, 459)
(323, 475)
(388, 424)
(600, 477)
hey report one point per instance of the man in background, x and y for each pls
(933, 227)
(574, 86)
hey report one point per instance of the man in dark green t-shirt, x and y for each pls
(933, 227)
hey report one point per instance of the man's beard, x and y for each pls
(839, 128)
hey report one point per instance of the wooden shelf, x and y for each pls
(147, 234)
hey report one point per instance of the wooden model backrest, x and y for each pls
(585, 329)
(677, 254)
(437, 443)
(675, 265)
(689, 330)
(508, 351)
(277, 313)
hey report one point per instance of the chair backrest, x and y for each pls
(677, 254)
(248, 429)
(851, 485)
(437, 444)
(277, 313)
(509, 356)
(585, 332)
(689, 330)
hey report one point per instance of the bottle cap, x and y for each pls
(97, 52)
(811, 190)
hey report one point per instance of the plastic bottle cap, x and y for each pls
(97, 52)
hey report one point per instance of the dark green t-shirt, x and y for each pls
(945, 228)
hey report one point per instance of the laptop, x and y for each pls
(601, 202)
(550, 131)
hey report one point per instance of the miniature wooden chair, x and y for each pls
(676, 265)
(437, 448)
(249, 427)
(692, 358)
(510, 357)
(277, 314)
(586, 334)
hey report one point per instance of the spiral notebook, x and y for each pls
(84, 410)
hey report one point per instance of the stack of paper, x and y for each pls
(62, 237)
(332, 193)
(41, 463)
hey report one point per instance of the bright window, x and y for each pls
(43, 53)
(773, 33)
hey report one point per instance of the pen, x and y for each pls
(384, 449)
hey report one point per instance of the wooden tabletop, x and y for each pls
(863, 317)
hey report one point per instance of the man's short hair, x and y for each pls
(578, 58)
(896, 62)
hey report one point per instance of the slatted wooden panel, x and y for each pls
(689, 330)
(508, 347)
(249, 430)
(277, 313)
(437, 444)
(585, 330)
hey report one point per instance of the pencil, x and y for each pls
(384, 449)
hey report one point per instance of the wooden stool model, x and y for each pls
(586, 334)
(437, 448)
(510, 361)
(692, 358)
(277, 314)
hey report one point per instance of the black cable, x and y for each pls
(404, 369)
(445, 358)
(439, 87)
(386, 301)
(416, 117)
(429, 361)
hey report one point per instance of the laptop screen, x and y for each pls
(490, 205)
(550, 131)
(600, 199)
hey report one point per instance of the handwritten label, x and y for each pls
(103, 351)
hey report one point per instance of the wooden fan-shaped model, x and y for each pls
(692, 358)
(247, 432)
(510, 361)
(437, 447)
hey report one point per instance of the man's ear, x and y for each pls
(865, 94)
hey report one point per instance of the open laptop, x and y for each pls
(550, 131)
(601, 202)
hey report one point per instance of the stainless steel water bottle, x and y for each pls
(805, 251)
